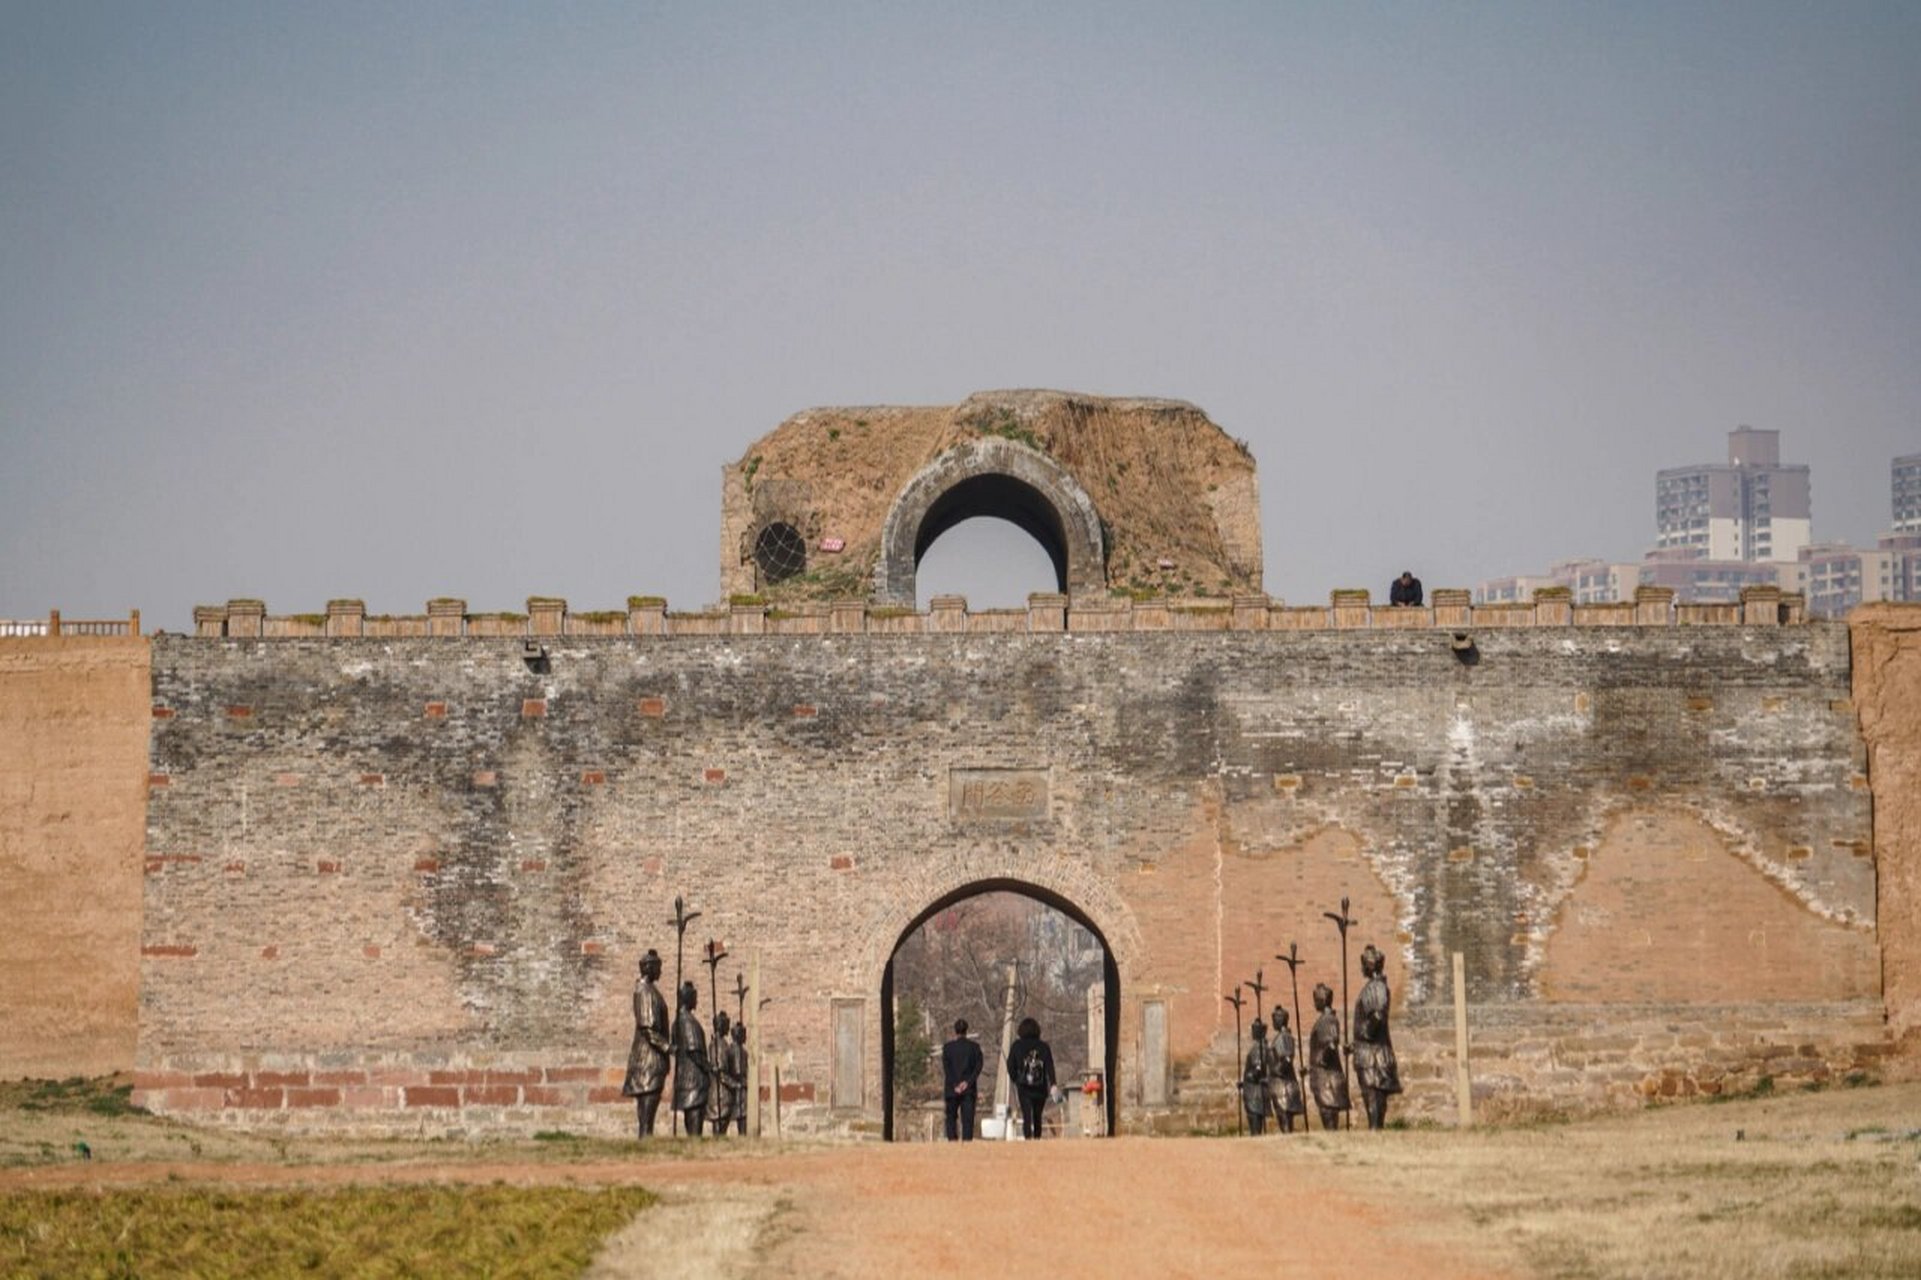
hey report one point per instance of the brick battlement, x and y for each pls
(1345, 611)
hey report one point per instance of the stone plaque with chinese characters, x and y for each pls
(997, 795)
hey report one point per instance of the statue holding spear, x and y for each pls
(682, 918)
(1293, 962)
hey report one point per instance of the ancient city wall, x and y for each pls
(73, 747)
(402, 881)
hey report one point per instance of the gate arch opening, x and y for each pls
(1003, 479)
(989, 1037)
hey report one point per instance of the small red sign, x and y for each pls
(833, 544)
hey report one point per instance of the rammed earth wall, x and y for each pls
(403, 882)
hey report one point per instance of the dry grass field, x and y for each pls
(1803, 1185)
(1824, 1184)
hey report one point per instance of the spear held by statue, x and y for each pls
(1237, 1000)
(1343, 922)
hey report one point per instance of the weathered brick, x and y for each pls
(313, 1097)
(430, 1096)
(491, 1095)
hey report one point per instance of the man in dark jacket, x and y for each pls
(1406, 590)
(960, 1065)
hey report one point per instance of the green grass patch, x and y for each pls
(373, 1231)
(96, 1095)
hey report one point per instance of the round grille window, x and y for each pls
(780, 552)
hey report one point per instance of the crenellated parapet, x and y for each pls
(649, 616)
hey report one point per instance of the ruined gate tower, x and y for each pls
(399, 869)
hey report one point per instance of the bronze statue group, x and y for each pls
(709, 1087)
(1271, 1080)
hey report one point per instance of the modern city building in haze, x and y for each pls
(1750, 508)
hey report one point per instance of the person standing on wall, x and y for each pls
(1406, 590)
(1030, 1065)
(960, 1064)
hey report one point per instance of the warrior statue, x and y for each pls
(1326, 1073)
(720, 1099)
(740, 1078)
(692, 1073)
(1283, 1085)
(1373, 1049)
(1255, 1100)
(647, 1059)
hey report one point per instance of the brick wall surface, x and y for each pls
(403, 882)
(73, 743)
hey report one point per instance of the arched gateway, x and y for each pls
(989, 1037)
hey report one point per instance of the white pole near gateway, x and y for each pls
(1003, 1123)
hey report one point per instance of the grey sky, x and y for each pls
(394, 301)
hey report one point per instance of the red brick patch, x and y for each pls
(373, 779)
(280, 1079)
(606, 1093)
(194, 1099)
(804, 710)
(533, 864)
(654, 707)
(368, 1096)
(841, 862)
(447, 1075)
(430, 1096)
(591, 948)
(533, 708)
(176, 949)
(286, 779)
(481, 949)
(340, 1077)
(593, 778)
(428, 865)
(491, 1095)
(370, 951)
(159, 780)
(715, 775)
(270, 952)
(794, 1091)
(313, 1097)
(220, 1080)
(235, 868)
(162, 1080)
(485, 778)
(163, 713)
(239, 712)
(539, 1095)
(327, 868)
(652, 864)
(436, 711)
(256, 1099)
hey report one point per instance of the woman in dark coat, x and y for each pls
(1030, 1065)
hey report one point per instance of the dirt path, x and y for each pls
(1170, 1207)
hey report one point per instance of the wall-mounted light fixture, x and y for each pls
(534, 654)
(1464, 651)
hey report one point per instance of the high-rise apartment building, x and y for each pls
(1906, 477)
(1752, 508)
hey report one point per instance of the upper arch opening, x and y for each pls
(1001, 479)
